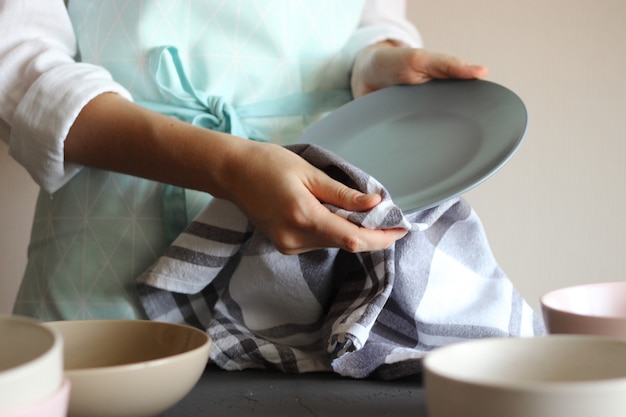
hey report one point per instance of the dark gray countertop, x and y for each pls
(269, 393)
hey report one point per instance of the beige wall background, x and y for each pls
(17, 203)
(554, 214)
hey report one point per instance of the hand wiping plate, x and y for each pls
(427, 143)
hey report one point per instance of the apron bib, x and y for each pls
(264, 70)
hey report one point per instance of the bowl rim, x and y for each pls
(617, 383)
(546, 300)
(22, 383)
(57, 343)
(152, 363)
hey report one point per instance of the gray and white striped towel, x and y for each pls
(372, 313)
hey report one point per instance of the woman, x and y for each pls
(131, 115)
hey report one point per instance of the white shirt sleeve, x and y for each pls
(42, 88)
(383, 20)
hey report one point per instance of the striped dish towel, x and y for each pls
(371, 313)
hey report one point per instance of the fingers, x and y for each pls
(352, 238)
(332, 231)
(310, 225)
(478, 71)
(464, 71)
(441, 66)
(337, 194)
(380, 67)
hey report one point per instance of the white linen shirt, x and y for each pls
(43, 88)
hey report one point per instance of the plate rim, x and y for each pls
(517, 132)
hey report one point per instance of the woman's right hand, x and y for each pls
(281, 193)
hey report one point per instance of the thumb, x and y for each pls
(340, 195)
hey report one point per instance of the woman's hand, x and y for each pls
(280, 193)
(386, 64)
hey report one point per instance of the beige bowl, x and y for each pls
(551, 376)
(31, 361)
(598, 309)
(130, 368)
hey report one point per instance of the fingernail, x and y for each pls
(361, 198)
(364, 198)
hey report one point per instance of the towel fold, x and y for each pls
(371, 313)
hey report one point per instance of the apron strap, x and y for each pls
(184, 102)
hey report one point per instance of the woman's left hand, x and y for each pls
(385, 64)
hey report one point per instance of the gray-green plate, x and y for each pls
(427, 143)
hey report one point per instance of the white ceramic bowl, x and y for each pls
(31, 361)
(550, 376)
(598, 309)
(130, 368)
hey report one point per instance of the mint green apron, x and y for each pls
(264, 70)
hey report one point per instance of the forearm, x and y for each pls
(115, 134)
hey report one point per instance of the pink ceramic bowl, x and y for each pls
(595, 309)
(54, 405)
